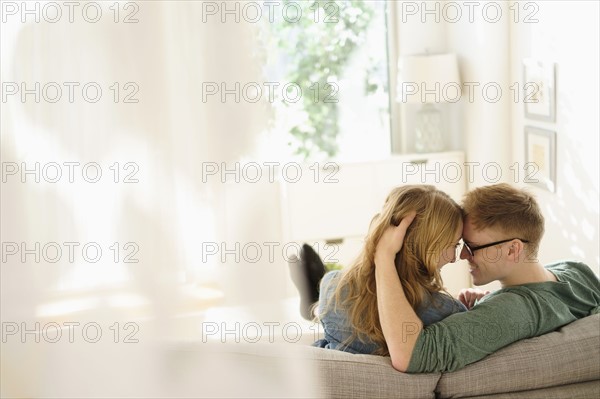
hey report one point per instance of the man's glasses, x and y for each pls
(471, 250)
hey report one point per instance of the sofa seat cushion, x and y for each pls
(568, 355)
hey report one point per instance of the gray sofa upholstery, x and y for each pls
(564, 363)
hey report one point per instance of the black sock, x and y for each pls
(306, 274)
(312, 262)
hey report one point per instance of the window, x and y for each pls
(332, 67)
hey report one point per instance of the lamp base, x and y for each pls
(428, 137)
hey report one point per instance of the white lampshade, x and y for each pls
(429, 70)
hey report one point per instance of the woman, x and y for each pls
(347, 305)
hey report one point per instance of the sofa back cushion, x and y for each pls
(569, 355)
(345, 375)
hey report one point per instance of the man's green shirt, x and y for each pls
(506, 316)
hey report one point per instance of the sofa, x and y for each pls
(562, 364)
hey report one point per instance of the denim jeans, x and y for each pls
(338, 328)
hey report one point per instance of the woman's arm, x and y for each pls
(400, 324)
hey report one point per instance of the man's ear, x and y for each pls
(516, 250)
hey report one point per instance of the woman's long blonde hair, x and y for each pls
(434, 229)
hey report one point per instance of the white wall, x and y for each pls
(567, 34)
(483, 117)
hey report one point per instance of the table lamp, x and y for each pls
(428, 79)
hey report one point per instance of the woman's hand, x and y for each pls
(392, 239)
(468, 296)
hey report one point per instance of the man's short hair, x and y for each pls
(513, 211)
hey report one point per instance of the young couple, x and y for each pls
(391, 301)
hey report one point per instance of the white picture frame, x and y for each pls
(539, 90)
(540, 157)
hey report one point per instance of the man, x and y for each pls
(503, 228)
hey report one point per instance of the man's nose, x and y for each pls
(464, 254)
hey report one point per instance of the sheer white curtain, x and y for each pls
(161, 220)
